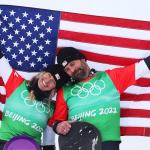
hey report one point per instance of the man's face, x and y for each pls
(46, 82)
(77, 69)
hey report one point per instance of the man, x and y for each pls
(28, 103)
(95, 96)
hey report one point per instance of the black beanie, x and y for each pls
(68, 54)
(59, 75)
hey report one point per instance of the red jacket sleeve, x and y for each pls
(61, 109)
(122, 77)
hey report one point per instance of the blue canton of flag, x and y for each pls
(28, 37)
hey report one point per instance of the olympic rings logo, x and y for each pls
(88, 88)
(40, 106)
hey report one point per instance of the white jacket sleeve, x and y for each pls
(5, 70)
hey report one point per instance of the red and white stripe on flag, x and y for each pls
(109, 43)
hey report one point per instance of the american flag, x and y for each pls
(28, 36)
(109, 43)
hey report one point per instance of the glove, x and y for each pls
(49, 147)
(1, 54)
(147, 61)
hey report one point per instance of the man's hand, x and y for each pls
(63, 127)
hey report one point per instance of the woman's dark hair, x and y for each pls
(59, 75)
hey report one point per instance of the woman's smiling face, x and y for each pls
(46, 81)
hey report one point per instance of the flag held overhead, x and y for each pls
(28, 36)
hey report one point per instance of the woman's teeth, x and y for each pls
(44, 83)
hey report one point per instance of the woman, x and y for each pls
(27, 107)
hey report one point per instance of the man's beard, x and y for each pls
(79, 75)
